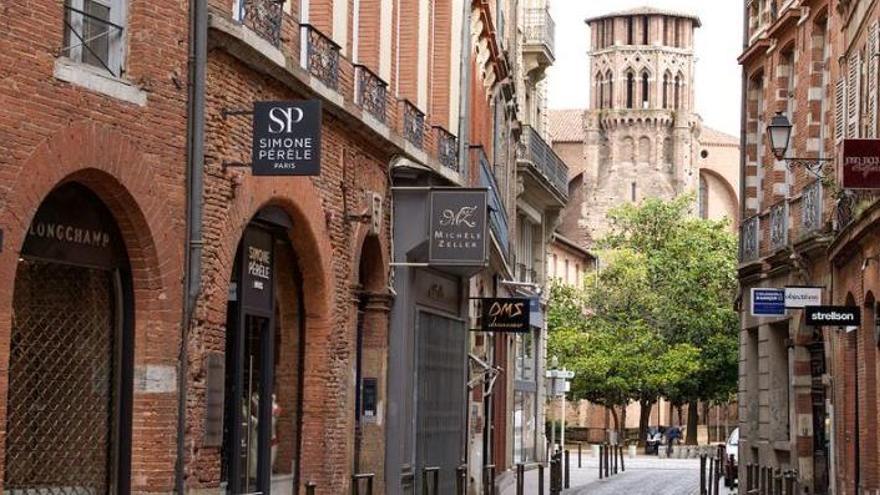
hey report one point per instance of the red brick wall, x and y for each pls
(132, 157)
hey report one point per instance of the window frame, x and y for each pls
(116, 33)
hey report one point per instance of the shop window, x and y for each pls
(94, 33)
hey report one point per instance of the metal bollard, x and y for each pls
(310, 488)
(601, 464)
(703, 474)
(567, 482)
(435, 480)
(540, 479)
(711, 474)
(616, 448)
(622, 464)
(461, 480)
(520, 479)
(607, 461)
(580, 445)
(489, 479)
(356, 483)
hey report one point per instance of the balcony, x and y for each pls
(750, 235)
(811, 209)
(540, 158)
(413, 124)
(320, 56)
(497, 212)
(370, 92)
(526, 274)
(539, 35)
(852, 204)
(779, 226)
(263, 17)
(447, 149)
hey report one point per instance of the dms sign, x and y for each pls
(861, 164)
(510, 315)
(833, 316)
(287, 138)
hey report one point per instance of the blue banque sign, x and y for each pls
(768, 302)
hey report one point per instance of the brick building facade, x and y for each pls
(118, 296)
(808, 394)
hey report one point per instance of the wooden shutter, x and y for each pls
(873, 53)
(840, 109)
(853, 96)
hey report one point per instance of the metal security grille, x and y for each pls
(60, 406)
(441, 395)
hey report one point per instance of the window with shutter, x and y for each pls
(840, 109)
(853, 98)
(873, 53)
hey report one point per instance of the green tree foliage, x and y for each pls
(658, 318)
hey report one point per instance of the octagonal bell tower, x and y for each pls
(641, 132)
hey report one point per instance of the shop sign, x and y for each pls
(286, 138)
(73, 226)
(768, 302)
(861, 164)
(537, 315)
(833, 316)
(458, 227)
(506, 315)
(801, 297)
(257, 275)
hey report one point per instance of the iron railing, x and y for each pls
(779, 225)
(534, 151)
(811, 208)
(540, 29)
(447, 148)
(370, 92)
(750, 235)
(498, 222)
(413, 124)
(851, 204)
(320, 56)
(263, 17)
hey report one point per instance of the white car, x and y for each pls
(731, 464)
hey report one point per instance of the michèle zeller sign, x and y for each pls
(506, 315)
(458, 227)
(286, 138)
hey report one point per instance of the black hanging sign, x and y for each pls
(286, 138)
(833, 316)
(257, 274)
(458, 227)
(506, 315)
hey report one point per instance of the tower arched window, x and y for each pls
(600, 86)
(666, 90)
(630, 90)
(645, 91)
(678, 83)
(610, 78)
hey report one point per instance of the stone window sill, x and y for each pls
(97, 80)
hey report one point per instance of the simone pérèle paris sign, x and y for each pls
(457, 227)
(286, 138)
(861, 164)
(506, 315)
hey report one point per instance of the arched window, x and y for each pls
(677, 28)
(666, 90)
(600, 86)
(630, 90)
(678, 92)
(645, 92)
(610, 78)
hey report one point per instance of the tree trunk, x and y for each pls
(621, 435)
(679, 407)
(644, 420)
(613, 410)
(692, 423)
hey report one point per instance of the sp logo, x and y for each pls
(282, 119)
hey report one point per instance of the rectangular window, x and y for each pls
(644, 30)
(94, 33)
(630, 28)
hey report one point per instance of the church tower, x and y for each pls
(641, 135)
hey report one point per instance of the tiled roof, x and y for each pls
(646, 11)
(712, 136)
(567, 126)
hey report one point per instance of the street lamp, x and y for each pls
(780, 137)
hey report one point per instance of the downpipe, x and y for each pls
(195, 152)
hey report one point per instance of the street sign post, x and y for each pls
(768, 302)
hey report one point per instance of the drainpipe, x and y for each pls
(464, 106)
(195, 152)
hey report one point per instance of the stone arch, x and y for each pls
(730, 195)
(645, 149)
(628, 149)
(111, 166)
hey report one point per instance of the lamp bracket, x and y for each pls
(814, 166)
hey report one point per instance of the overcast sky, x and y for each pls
(718, 43)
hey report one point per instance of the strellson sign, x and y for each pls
(861, 164)
(457, 226)
(833, 316)
(286, 138)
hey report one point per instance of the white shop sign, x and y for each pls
(801, 297)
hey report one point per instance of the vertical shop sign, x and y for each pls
(286, 138)
(457, 227)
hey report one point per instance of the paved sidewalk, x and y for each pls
(645, 475)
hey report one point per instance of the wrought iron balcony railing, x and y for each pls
(447, 149)
(497, 212)
(413, 124)
(263, 17)
(320, 56)
(539, 28)
(750, 236)
(811, 208)
(538, 154)
(370, 92)
(779, 225)
(851, 204)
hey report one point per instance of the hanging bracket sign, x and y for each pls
(801, 297)
(833, 316)
(768, 302)
(457, 225)
(506, 315)
(286, 138)
(861, 164)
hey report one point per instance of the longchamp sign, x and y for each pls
(457, 223)
(861, 164)
(286, 138)
(833, 316)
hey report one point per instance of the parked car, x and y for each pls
(731, 464)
